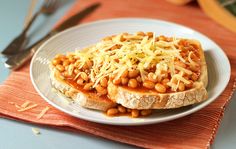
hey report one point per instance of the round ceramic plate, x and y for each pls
(87, 34)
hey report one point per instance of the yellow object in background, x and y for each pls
(179, 2)
(222, 11)
(217, 10)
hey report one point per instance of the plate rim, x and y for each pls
(164, 119)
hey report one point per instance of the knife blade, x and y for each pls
(75, 19)
(16, 61)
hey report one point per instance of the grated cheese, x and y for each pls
(136, 51)
(27, 108)
(183, 70)
(36, 131)
(25, 104)
(43, 112)
(10, 102)
(17, 106)
(190, 59)
(181, 78)
(13, 103)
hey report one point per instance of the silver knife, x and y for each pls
(16, 61)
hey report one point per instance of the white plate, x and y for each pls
(87, 34)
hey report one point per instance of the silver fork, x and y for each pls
(48, 7)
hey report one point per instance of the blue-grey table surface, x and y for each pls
(14, 134)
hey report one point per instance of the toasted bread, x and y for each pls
(136, 99)
(85, 99)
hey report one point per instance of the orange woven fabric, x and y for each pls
(194, 131)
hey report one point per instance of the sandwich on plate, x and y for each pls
(133, 74)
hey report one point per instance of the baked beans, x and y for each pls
(140, 33)
(149, 84)
(116, 81)
(181, 86)
(88, 86)
(112, 112)
(60, 68)
(150, 34)
(194, 77)
(121, 109)
(165, 81)
(84, 76)
(103, 82)
(190, 85)
(66, 63)
(152, 77)
(134, 113)
(101, 90)
(133, 73)
(80, 81)
(160, 88)
(133, 83)
(125, 73)
(124, 81)
(56, 62)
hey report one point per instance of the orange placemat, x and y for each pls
(194, 131)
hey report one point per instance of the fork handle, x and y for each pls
(31, 22)
(16, 61)
(21, 40)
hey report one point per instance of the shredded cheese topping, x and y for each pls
(36, 131)
(43, 112)
(113, 57)
(28, 107)
(25, 104)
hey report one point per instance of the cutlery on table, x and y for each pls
(19, 59)
(30, 12)
(16, 46)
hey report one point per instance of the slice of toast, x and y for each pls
(123, 94)
(85, 99)
(138, 99)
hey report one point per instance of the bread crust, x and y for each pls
(87, 100)
(153, 100)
